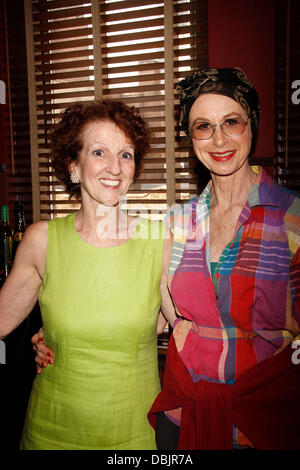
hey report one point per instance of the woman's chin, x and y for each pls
(227, 169)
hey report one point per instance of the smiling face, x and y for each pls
(106, 166)
(221, 154)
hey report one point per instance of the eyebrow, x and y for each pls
(224, 117)
(127, 146)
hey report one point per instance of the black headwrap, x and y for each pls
(231, 81)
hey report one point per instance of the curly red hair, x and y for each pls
(66, 142)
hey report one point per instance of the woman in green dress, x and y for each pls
(96, 274)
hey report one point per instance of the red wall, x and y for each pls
(241, 34)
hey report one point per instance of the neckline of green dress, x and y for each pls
(77, 236)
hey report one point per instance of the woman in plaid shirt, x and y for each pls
(234, 275)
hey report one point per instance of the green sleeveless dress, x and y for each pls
(99, 309)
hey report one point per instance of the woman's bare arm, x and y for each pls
(167, 306)
(19, 293)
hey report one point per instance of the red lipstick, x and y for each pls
(222, 156)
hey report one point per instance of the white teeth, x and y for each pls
(223, 154)
(110, 182)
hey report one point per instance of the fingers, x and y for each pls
(38, 337)
(44, 355)
(34, 339)
(41, 332)
(180, 333)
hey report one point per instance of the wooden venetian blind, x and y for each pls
(130, 50)
(288, 98)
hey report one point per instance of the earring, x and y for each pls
(74, 178)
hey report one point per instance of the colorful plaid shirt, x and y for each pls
(251, 307)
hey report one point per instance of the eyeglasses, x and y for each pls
(233, 126)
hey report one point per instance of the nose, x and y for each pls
(114, 165)
(219, 138)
